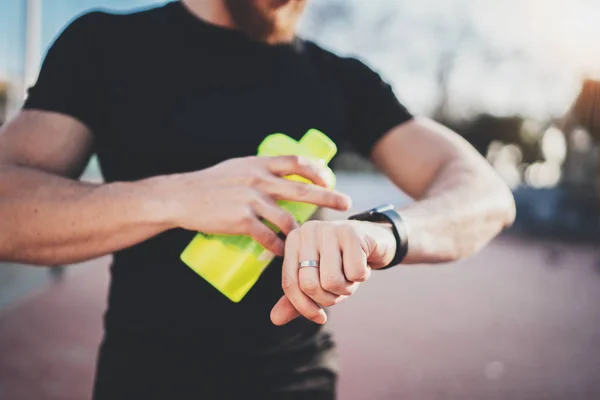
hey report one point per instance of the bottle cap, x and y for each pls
(318, 145)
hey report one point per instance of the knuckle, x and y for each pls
(332, 283)
(336, 200)
(288, 222)
(254, 178)
(309, 287)
(270, 185)
(326, 198)
(294, 160)
(232, 161)
(311, 225)
(272, 181)
(303, 190)
(267, 238)
(328, 302)
(291, 241)
(253, 200)
(242, 162)
(250, 195)
(328, 228)
(358, 276)
(347, 230)
(292, 237)
(286, 283)
(246, 218)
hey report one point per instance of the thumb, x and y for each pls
(283, 312)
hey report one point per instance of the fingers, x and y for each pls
(332, 278)
(295, 165)
(270, 211)
(356, 268)
(342, 266)
(266, 237)
(283, 312)
(310, 282)
(283, 189)
(291, 285)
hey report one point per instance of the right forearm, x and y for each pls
(50, 220)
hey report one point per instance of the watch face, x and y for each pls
(375, 214)
(383, 208)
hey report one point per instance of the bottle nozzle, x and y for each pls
(319, 145)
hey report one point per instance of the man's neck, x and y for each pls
(219, 14)
(213, 12)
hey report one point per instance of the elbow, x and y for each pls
(8, 249)
(506, 206)
(499, 217)
(511, 213)
(499, 210)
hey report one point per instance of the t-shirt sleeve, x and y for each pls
(70, 78)
(372, 108)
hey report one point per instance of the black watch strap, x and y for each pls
(387, 213)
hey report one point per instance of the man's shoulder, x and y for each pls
(107, 21)
(349, 65)
(324, 54)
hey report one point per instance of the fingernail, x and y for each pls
(326, 178)
(346, 203)
(321, 318)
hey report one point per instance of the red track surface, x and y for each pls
(519, 321)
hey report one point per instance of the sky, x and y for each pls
(508, 57)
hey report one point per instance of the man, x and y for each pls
(174, 102)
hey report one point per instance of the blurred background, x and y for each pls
(520, 80)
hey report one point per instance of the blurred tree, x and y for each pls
(371, 32)
(585, 111)
(483, 129)
(437, 42)
(443, 42)
(584, 119)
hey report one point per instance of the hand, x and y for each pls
(232, 197)
(346, 251)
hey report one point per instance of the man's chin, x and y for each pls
(266, 21)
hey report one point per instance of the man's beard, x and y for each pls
(265, 24)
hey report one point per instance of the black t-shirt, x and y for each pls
(164, 92)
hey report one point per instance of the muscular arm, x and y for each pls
(461, 203)
(47, 216)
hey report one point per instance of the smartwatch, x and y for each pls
(387, 213)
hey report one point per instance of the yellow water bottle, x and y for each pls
(233, 263)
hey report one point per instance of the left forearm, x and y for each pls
(464, 208)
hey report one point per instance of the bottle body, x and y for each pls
(233, 263)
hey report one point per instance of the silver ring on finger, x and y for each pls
(308, 264)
